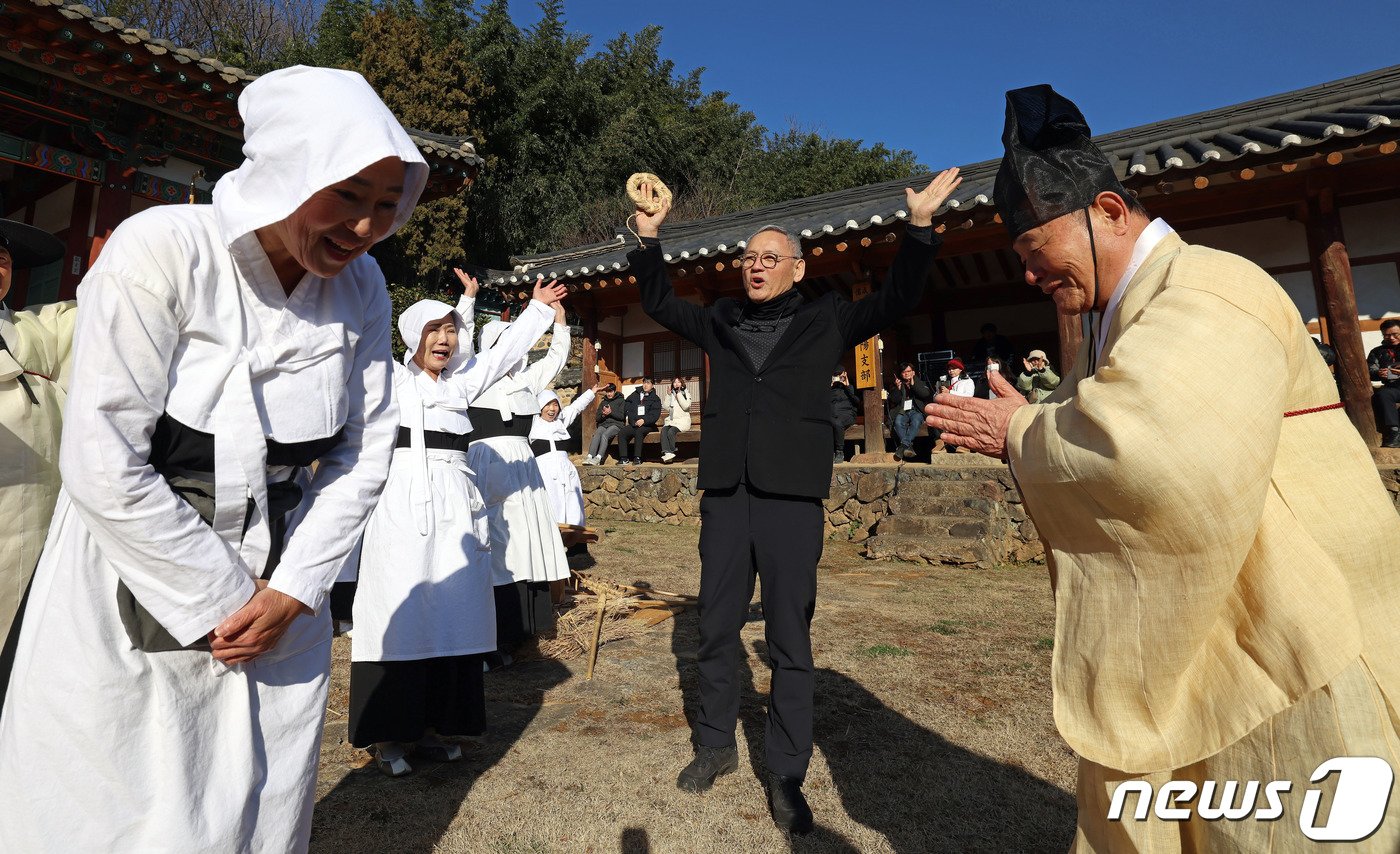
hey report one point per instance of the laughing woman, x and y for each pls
(424, 609)
(170, 686)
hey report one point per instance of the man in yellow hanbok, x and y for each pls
(1221, 548)
(35, 347)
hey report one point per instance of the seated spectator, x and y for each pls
(955, 381)
(1037, 379)
(991, 345)
(1327, 352)
(609, 420)
(1384, 364)
(845, 403)
(641, 411)
(907, 402)
(677, 405)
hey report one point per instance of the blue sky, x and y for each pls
(930, 76)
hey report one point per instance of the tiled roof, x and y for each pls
(1240, 134)
(460, 148)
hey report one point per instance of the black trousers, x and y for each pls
(1387, 399)
(636, 435)
(839, 423)
(401, 700)
(745, 534)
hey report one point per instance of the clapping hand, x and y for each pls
(923, 204)
(976, 424)
(469, 284)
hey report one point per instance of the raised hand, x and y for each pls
(649, 225)
(976, 424)
(469, 284)
(550, 294)
(922, 204)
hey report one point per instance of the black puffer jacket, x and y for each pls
(616, 416)
(845, 403)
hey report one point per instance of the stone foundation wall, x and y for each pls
(860, 497)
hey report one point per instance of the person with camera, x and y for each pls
(640, 412)
(609, 420)
(1384, 364)
(845, 404)
(677, 418)
(907, 402)
(1038, 379)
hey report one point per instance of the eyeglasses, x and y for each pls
(768, 260)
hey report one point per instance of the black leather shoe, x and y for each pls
(709, 763)
(788, 805)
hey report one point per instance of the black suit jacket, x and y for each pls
(643, 405)
(772, 427)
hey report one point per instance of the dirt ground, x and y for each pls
(933, 729)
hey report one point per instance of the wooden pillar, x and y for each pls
(1332, 268)
(1071, 336)
(588, 315)
(113, 206)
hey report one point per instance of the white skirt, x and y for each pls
(106, 748)
(425, 566)
(525, 543)
(562, 483)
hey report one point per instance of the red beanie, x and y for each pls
(956, 363)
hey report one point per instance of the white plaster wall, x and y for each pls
(1268, 242)
(611, 325)
(54, 212)
(1372, 229)
(177, 170)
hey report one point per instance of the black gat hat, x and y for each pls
(29, 246)
(1051, 166)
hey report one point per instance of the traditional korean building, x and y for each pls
(99, 120)
(1304, 183)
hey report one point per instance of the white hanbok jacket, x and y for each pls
(425, 570)
(526, 545)
(105, 747)
(561, 479)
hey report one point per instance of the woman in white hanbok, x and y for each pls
(424, 611)
(547, 437)
(526, 550)
(169, 687)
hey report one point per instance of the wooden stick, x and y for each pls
(597, 631)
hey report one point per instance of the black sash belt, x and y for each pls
(488, 424)
(542, 446)
(436, 440)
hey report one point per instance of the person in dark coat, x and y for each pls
(845, 405)
(765, 468)
(639, 414)
(907, 400)
(1384, 364)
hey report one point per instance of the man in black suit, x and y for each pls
(765, 466)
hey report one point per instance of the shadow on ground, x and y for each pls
(415, 811)
(894, 776)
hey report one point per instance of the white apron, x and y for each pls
(560, 477)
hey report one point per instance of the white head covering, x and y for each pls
(544, 398)
(419, 315)
(305, 129)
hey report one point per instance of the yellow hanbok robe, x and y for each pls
(40, 342)
(1217, 567)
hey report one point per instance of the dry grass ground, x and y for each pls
(933, 729)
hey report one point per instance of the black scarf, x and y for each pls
(761, 324)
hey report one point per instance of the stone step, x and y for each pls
(928, 487)
(949, 527)
(926, 549)
(941, 505)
